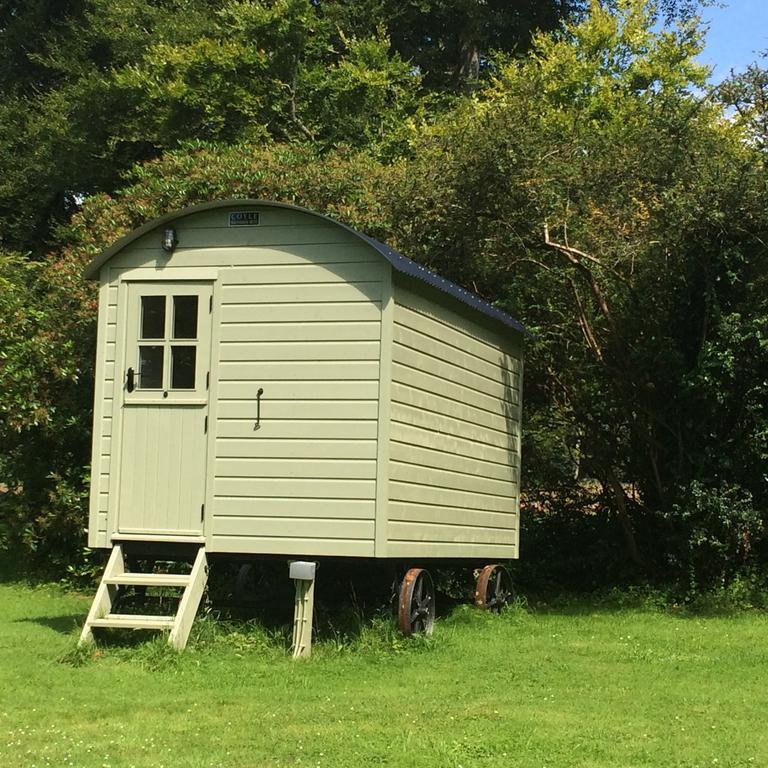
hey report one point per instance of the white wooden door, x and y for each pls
(162, 454)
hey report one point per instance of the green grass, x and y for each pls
(577, 686)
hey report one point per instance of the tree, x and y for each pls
(592, 191)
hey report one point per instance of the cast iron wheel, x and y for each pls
(494, 588)
(417, 603)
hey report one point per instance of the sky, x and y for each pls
(738, 32)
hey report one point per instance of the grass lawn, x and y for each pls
(583, 686)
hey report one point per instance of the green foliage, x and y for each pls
(646, 292)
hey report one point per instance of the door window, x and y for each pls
(167, 353)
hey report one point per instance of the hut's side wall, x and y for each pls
(297, 312)
(454, 449)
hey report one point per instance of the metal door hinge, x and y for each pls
(205, 426)
(208, 380)
(202, 512)
(210, 304)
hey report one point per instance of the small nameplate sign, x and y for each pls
(244, 219)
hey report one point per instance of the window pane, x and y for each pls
(150, 367)
(183, 367)
(152, 317)
(185, 317)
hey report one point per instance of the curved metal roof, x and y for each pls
(399, 262)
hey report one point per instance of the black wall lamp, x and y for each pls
(169, 240)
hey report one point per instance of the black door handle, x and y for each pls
(130, 380)
(257, 425)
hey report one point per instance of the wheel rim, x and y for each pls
(494, 588)
(417, 603)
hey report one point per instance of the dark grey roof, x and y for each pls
(397, 260)
(409, 267)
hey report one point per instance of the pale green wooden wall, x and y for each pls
(390, 418)
(454, 455)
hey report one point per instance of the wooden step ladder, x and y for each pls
(116, 575)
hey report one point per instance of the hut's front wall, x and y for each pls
(296, 311)
(454, 447)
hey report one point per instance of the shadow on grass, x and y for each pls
(64, 624)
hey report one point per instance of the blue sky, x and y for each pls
(737, 33)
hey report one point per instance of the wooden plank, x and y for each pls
(452, 390)
(340, 469)
(302, 370)
(305, 527)
(440, 425)
(300, 390)
(455, 357)
(294, 546)
(457, 317)
(355, 509)
(306, 410)
(257, 447)
(307, 312)
(445, 478)
(502, 421)
(132, 621)
(296, 274)
(436, 532)
(268, 216)
(421, 513)
(263, 235)
(312, 351)
(419, 550)
(459, 445)
(190, 601)
(314, 488)
(226, 256)
(416, 359)
(305, 429)
(300, 294)
(493, 349)
(301, 331)
(448, 497)
(441, 459)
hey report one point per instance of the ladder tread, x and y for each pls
(134, 621)
(149, 579)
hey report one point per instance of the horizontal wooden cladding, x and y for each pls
(446, 478)
(428, 382)
(476, 371)
(298, 547)
(307, 429)
(304, 469)
(222, 256)
(300, 390)
(258, 447)
(298, 409)
(296, 488)
(106, 422)
(301, 293)
(442, 425)
(503, 369)
(309, 370)
(103, 503)
(506, 339)
(418, 360)
(436, 532)
(291, 274)
(355, 509)
(306, 312)
(417, 513)
(424, 437)
(447, 549)
(101, 522)
(282, 527)
(448, 497)
(262, 235)
(443, 406)
(258, 351)
(451, 462)
(268, 216)
(369, 330)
